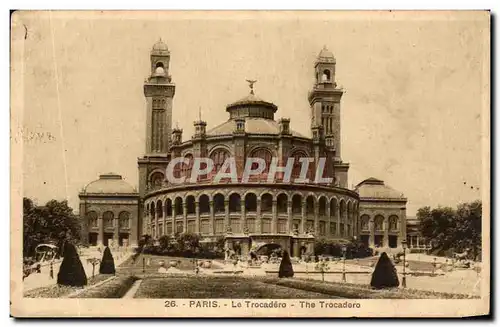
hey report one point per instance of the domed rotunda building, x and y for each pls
(289, 214)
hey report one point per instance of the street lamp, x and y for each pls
(403, 282)
(344, 250)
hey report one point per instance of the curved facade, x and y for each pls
(289, 214)
(257, 211)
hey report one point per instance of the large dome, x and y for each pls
(252, 126)
(375, 188)
(109, 184)
(251, 99)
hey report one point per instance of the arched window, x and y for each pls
(204, 204)
(266, 203)
(251, 202)
(124, 218)
(310, 205)
(379, 223)
(333, 209)
(168, 208)
(178, 206)
(108, 218)
(187, 168)
(365, 222)
(234, 203)
(156, 179)
(92, 219)
(297, 204)
(152, 210)
(265, 154)
(219, 203)
(326, 75)
(159, 209)
(190, 205)
(343, 210)
(282, 203)
(297, 164)
(393, 223)
(218, 157)
(322, 206)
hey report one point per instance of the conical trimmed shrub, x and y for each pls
(385, 274)
(71, 272)
(107, 263)
(286, 269)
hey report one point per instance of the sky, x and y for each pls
(414, 112)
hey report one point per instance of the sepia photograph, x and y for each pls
(250, 163)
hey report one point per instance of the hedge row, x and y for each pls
(113, 289)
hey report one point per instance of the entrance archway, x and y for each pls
(269, 248)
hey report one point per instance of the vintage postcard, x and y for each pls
(250, 164)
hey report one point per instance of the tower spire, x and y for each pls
(199, 113)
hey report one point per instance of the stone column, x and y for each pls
(243, 218)
(345, 219)
(212, 218)
(316, 219)
(155, 234)
(116, 234)
(290, 216)
(371, 226)
(259, 217)
(274, 224)
(338, 219)
(386, 232)
(100, 225)
(227, 222)
(165, 218)
(329, 220)
(304, 218)
(174, 222)
(296, 249)
(184, 216)
(402, 225)
(197, 222)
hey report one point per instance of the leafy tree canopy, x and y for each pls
(452, 230)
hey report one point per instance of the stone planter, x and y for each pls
(207, 264)
(173, 263)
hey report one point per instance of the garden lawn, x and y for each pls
(57, 291)
(113, 289)
(219, 287)
(355, 291)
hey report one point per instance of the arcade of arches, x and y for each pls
(253, 217)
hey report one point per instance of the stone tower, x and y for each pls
(324, 100)
(159, 92)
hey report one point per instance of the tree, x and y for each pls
(164, 242)
(385, 274)
(453, 230)
(107, 263)
(71, 272)
(286, 269)
(188, 242)
(53, 223)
